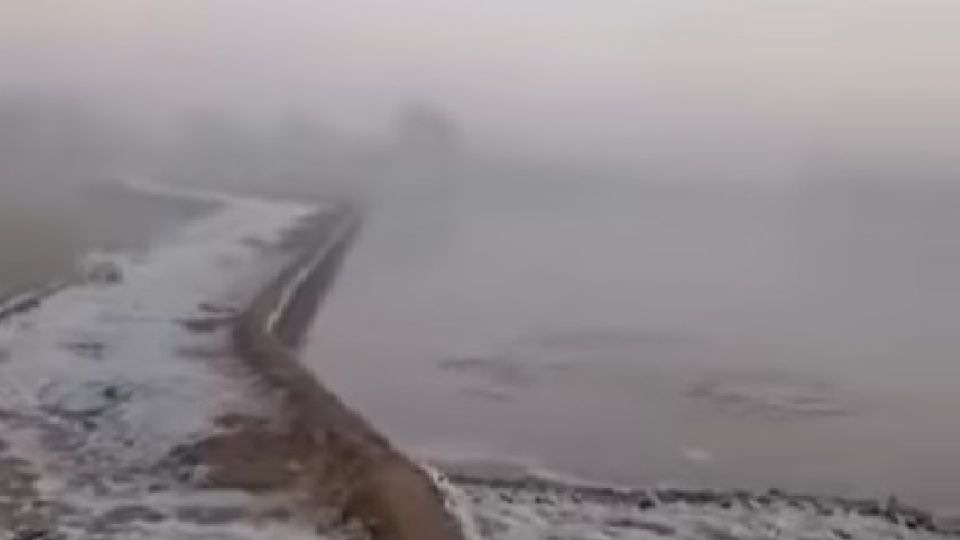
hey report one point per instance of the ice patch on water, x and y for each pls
(768, 393)
(696, 455)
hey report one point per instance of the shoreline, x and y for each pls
(388, 493)
(297, 437)
(347, 438)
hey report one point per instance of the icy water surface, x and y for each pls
(730, 339)
(43, 236)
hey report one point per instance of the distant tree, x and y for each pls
(427, 131)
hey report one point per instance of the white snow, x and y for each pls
(97, 386)
(535, 512)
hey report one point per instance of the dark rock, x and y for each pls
(233, 421)
(31, 534)
(111, 392)
(81, 401)
(646, 504)
(211, 515)
(89, 349)
(277, 514)
(668, 496)
(631, 523)
(37, 534)
(131, 514)
(210, 307)
(871, 509)
(489, 528)
(206, 325)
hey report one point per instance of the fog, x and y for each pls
(753, 192)
(757, 91)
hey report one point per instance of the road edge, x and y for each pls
(352, 465)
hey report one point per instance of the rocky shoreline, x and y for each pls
(536, 507)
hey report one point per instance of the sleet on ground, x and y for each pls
(125, 414)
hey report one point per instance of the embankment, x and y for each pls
(351, 465)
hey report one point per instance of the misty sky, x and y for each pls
(767, 82)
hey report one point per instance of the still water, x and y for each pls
(803, 339)
(43, 236)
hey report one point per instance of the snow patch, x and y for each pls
(96, 391)
(542, 510)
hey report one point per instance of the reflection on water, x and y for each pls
(43, 236)
(803, 340)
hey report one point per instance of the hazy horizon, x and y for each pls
(736, 91)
